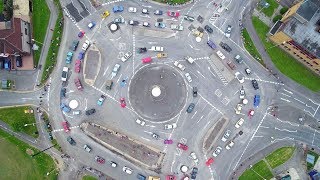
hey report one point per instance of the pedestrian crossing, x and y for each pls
(271, 82)
(221, 77)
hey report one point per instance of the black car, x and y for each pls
(50, 136)
(190, 108)
(18, 61)
(74, 45)
(195, 91)
(133, 23)
(194, 173)
(71, 141)
(255, 84)
(142, 50)
(158, 12)
(63, 92)
(225, 46)
(208, 29)
(90, 111)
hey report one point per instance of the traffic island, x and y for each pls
(213, 133)
(92, 64)
(130, 149)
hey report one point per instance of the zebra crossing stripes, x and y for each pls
(111, 2)
(221, 77)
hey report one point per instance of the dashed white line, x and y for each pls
(194, 114)
(285, 130)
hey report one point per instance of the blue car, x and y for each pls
(256, 100)
(117, 9)
(65, 108)
(81, 55)
(69, 57)
(101, 100)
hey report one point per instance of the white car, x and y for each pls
(156, 48)
(115, 70)
(127, 170)
(194, 157)
(230, 145)
(132, 9)
(170, 126)
(188, 77)
(64, 75)
(126, 56)
(226, 135)
(146, 24)
(176, 27)
(113, 164)
(248, 71)
(220, 55)
(87, 148)
(228, 31)
(140, 122)
(240, 77)
(189, 59)
(242, 93)
(238, 108)
(239, 123)
(85, 45)
(180, 66)
(217, 151)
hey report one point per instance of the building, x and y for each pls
(298, 32)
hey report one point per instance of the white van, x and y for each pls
(189, 59)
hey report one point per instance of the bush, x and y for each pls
(283, 10)
(276, 18)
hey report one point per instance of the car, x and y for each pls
(65, 126)
(123, 102)
(170, 126)
(238, 108)
(77, 112)
(194, 91)
(211, 44)
(159, 25)
(101, 100)
(90, 111)
(65, 108)
(85, 45)
(133, 23)
(255, 84)
(77, 66)
(168, 141)
(141, 177)
(220, 55)
(115, 70)
(63, 92)
(113, 164)
(119, 20)
(145, 11)
(140, 122)
(156, 48)
(231, 65)
(109, 84)
(105, 14)
(78, 84)
(176, 27)
(173, 14)
(71, 141)
(238, 59)
(18, 61)
(142, 50)
(87, 148)
(256, 100)
(188, 77)
(188, 18)
(242, 93)
(251, 113)
(81, 55)
(155, 136)
(225, 46)
(81, 34)
(228, 31)
(239, 123)
(123, 82)
(217, 151)
(127, 170)
(226, 135)
(50, 137)
(193, 156)
(146, 60)
(99, 159)
(189, 59)
(178, 65)
(158, 12)
(197, 33)
(146, 24)
(162, 55)
(91, 25)
(194, 173)
(64, 75)
(190, 107)
(126, 56)
(132, 9)
(229, 145)
(171, 177)
(248, 71)
(209, 161)
(182, 146)
(240, 77)
(117, 9)
(208, 29)
(74, 45)
(69, 57)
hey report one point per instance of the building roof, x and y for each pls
(308, 8)
(305, 34)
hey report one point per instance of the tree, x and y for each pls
(283, 10)
(276, 18)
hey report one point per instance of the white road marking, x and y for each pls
(119, 78)
(211, 72)
(285, 100)
(258, 136)
(308, 112)
(86, 101)
(26, 98)
(145, 139)
(286, 138)
(284, 130)
(71, 91)
(174, 160)
(201, 74)
(148, 132)
(313, 136)
(316, 111)
(299, 100)
(285, 94)
(200, 119)
(152, 126)
(288, 91)
(194, 114)
(236, 92)
(292, 124)
(264, 127)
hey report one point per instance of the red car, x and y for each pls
(209, 161)
(147, 60)
(182, 146)
(81, 34)
(77, 66)
(168, 141)
(171, 177)
(251, 113)
(123, 102)
(100, 160)
(173, 14)
(65, 126)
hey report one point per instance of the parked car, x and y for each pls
(225, 46)
(159, 25)
(170, 126)
(133, 23)
(190, 107)
(117, 9)
(109, 84)
(101, 100)
(63, 92)
(248, 71)
(142, 50)
(145, 11)
(71, 141)
(231, 65)
(69, 57)
(90, 111)
(126, 56)
(194, 157)
(146, 24)
(168, 141)
(194, 91)
(238, 108)
(239, 77)
(105, 14)
(141, 177)
(140, 122)
(238, 59)
(156, 48)
(226, 135)
(255, 84)
(81, 33)
(230, 145)
(189, 59)
(132, 9)
(194, 173)
(74, 45)
(239, 123)
(242, 93)
(99, 159)
(123, 102)
(155, 136)
(158, 12)
(77, 66)
(113, 164)
(65, 126)
(256, 100)
(211, 44)
(209, 161)
(188, 18)
(87, 148)
(91, 25)
(173, 14)
(146, 60)
(78, 84)
(64, 75)
(208, 29)
(127, 170)
(115, 70)
(189, 79)
(228, 31)
(85, 45)
(182, 146)
(179, 65)
(119, 20)
(81, 55)
(220, 55)
(176, 27)
(217, 151)
(65, 108)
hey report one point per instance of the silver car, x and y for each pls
(226, 136)
(217, 151)
(115, 70)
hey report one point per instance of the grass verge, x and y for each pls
(17, 164)
(279, 156)
(269, 10)
(1, 6)
(87, 177)
(249, 45)
(51, 59)
(284, 62)
(16, 119)
(40, 20)
(309, 165)
(57, 146)
(258, 171)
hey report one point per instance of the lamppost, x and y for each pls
(284, 42)
(31, 124)
(36, 41)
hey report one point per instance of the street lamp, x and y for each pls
(36, 41)
(284, 42)
(31, 124)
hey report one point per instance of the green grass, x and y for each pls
(17, 164)
(286, 63)
(40, 20)
(16, 119)
(270, 10)
(309, 165)
(57, 146)
(87, 177)
(257, 170)
(1, 6)
(249, 45)
(279, 156)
